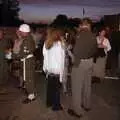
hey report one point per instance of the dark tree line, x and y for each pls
(9, 13)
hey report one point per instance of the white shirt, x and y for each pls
(54, 59)
(105, 43)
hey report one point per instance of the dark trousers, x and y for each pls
(53, 91)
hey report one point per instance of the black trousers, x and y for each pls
(53, 91)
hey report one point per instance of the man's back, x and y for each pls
(86, 45)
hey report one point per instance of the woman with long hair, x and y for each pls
(103, 48)
(53, 65)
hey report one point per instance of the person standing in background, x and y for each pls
(103, 48)
(3, 60)
(53, 66)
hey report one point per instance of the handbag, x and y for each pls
(101, 52)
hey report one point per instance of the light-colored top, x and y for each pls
(54, 59)
(105, 42)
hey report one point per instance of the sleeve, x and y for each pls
(107, 44)
(62, 63)
(45, 59)
(70, 55)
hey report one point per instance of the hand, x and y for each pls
(73, 59)
(102, 46)
(23, 59)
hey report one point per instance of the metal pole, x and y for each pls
(83, 12)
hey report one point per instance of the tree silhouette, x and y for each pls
(9, 10)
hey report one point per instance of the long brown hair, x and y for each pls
(53, 35)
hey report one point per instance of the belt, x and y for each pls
(85, 59)
(27, 57)
(52, 74)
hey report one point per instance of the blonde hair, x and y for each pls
(53, 35)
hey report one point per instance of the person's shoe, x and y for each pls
(72, 113)
(24, 91)
(57, 108)
(86, 109)
(48, 105)
(95, 80)
(26, 101)
(19, 87)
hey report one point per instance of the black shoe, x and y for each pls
(72, 113)
(26, 101)
(86, 109)
(57, 108)
(49, 105)
(24, 91)
(95, 80)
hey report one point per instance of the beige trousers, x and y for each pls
(81, 85)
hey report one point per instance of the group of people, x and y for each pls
(88, 55)
(63, 48)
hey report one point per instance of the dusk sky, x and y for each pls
(37, 10)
